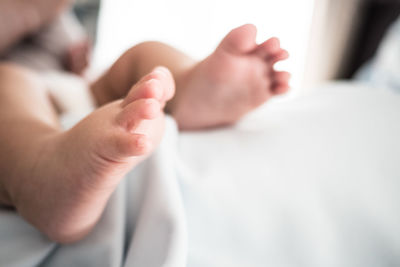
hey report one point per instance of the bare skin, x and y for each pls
(76, 58)
(60, 180)
(19, 18)
(236, 78)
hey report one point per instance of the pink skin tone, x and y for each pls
(79, 169)
(76, 58)
(232, 81)
(239, 74)
(23, 17)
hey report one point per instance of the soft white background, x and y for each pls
(196, 27)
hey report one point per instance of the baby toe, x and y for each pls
(151, 88)
(268, 48)
(129, 145)
(280, 82)
(279, 89)
(282, 54)
(167, 80)
(281, 76)
(133, 113)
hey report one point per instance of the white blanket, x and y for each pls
(313, 181)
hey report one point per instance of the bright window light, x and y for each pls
(196, 27)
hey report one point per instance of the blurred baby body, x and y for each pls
(60, 52)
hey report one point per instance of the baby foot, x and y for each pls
(124, 132)
(236, 78)
(83, 166)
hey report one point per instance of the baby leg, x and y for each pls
(26, 118)
(235, 79)
(60, 180)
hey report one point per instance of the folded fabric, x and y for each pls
(312, 181)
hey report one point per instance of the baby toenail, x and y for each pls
(154, 83)
(154, 88)
(152, 80)
(162, 70)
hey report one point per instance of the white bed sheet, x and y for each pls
(313, 181)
